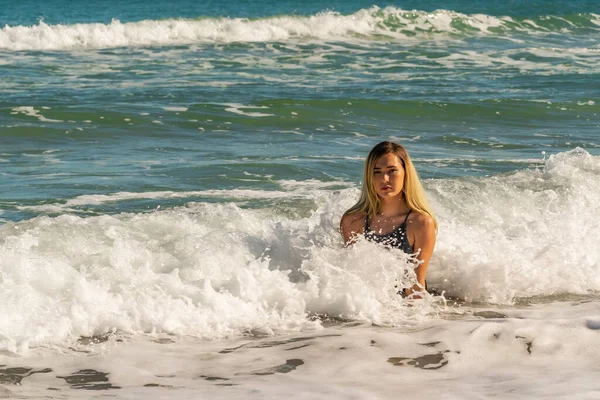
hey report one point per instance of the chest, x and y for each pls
(384, 226)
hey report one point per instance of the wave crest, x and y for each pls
(389, 23)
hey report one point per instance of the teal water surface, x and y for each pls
(183, 96)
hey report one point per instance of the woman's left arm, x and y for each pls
(424, 235)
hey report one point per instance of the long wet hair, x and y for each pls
(413, 192)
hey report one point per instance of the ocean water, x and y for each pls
(172, 176)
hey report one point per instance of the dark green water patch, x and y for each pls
(574, 298)
(89, 379)
(213, 378)
(427, 361)
(288, 366)
(273, 343)
(96, 339)
(15, 375)
(489, 314)
(430, 344)
(164, 341)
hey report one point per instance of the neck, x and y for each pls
(393, 207)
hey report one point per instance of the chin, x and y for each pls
(388, 195)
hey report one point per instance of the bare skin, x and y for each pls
(388, 182)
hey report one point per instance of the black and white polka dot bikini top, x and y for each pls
(396, 238)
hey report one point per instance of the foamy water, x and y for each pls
(390, 22)
(218, 270)
(208, 271)
(523, 234)
(487, 352)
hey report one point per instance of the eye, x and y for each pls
(376, 172)
(393, 171)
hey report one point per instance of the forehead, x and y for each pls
(387, 160)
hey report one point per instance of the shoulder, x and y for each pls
(422, 223)
(352, 225)
(353, 222)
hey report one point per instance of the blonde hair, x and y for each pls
(414, 194)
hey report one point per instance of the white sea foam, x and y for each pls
(237, 109)
(32, 112)
(391, 22)
(554, 346)
(507, 59)
(215, 270)
(169, 272)
(239, 194)
(520, 235)
(471, 159)
(310, 184)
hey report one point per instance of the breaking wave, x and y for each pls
(388, 24)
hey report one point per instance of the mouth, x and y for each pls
(386, 188)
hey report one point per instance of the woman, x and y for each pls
(393, 209)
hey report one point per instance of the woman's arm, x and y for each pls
(424, 235)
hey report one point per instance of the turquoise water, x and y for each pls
(139, 98)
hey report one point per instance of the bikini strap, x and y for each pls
(406, 219)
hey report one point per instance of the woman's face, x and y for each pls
(388, 176)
